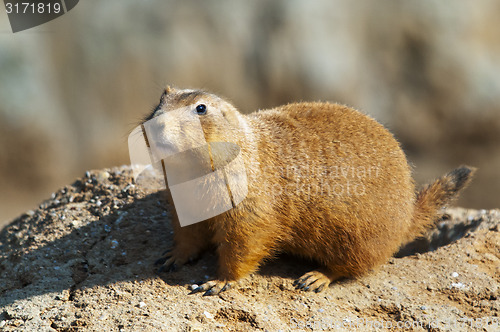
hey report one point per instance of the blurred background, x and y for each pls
(72, 89)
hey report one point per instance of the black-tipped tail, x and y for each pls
(436, 195)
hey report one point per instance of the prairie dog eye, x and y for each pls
(201, 109)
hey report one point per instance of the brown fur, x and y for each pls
(349, 204)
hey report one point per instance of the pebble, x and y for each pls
(126, 189)
(208, 315)
(457, 285)
(195, 328)
(114, 244)
(120, 218)
(142, 304)
(454, 274)
(102, 176)
(2, 323)
(194, 286)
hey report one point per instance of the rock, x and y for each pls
(93, 270)
(102, 176)
(208, 315)
(427, 70)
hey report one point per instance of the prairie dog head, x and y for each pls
(186, 118)
(196, 136)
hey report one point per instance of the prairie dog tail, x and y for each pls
(436, 195)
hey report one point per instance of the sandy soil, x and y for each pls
(84, 261)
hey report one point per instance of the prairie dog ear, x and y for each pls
(170, 90)
(231, 115)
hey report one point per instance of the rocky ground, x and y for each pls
(84, 261)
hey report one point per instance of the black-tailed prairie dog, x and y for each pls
(325, 182)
